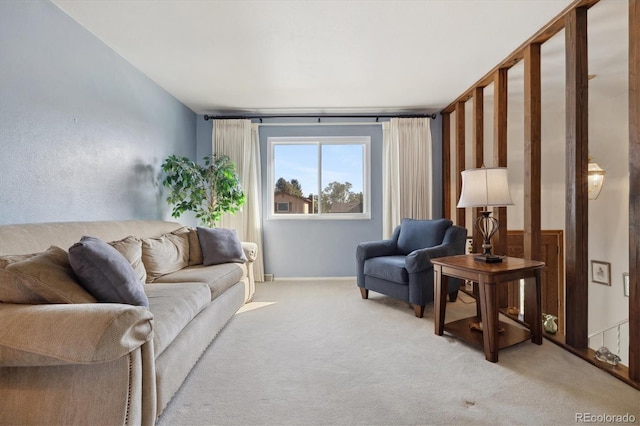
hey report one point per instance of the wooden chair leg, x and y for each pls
(453, 296)
(364, 293)
(419, 310)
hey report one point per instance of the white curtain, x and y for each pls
(239, 140)
(406, 171)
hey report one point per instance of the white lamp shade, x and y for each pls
(485, 187)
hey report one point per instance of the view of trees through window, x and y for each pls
(318, 178)
(337, 197)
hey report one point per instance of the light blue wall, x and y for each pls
(320, 248)
(324, 248)
(82, 132)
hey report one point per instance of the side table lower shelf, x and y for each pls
(512, 334)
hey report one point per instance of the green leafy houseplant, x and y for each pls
(209, 191)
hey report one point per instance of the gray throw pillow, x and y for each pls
(220, 245)
(105, 273)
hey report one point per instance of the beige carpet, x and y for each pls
(315, 353)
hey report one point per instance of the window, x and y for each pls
(282, 207)
(319, 178)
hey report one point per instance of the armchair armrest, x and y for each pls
(420, 260)
(371, 249)
(57, 334)
(250, 250)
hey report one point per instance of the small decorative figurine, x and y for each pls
(549, 323)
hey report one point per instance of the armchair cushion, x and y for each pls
(390, 268)
(417, 234)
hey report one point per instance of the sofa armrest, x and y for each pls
(250, 250)
(59, 334)
(420, 260)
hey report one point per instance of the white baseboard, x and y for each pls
(308, 278)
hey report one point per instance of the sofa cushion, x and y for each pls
(218, 277)
(173, 307)
(417, 234)
(165, 254)
(390, 268)
(105, 273)
(220, 245)
(45, 277)
(131, 249)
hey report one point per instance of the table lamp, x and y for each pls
(486, 187)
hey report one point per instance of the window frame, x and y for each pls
(364, 141)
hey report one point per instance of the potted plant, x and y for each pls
(209, 191)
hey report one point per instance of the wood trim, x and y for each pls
(532, 162)
(500, 96)
(446, 166)
(500, 151)
(577, 146)
(460, 160)
(478, 154)
(620, 372)
(634, 190)
(552, 27)
(532, 152)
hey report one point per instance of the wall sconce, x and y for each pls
(595, 179)
(485, 187)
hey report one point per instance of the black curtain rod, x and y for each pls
(319, 116)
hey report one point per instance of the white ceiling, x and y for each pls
(333, 56)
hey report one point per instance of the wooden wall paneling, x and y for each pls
(551, 252)
(532, 163)
(499, 242)
(446, 166)
(478, 154)
(634, 190)
(460, 160)
(577, 146)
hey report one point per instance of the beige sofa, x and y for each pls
(106, 363)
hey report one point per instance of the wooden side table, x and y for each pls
(487, 276)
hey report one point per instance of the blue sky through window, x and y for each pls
(340, 163)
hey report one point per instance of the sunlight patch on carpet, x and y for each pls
(254, 305)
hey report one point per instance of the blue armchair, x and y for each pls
(400, 267)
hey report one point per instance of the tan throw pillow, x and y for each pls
(131, 249)
(12, 258)
(195, 252)
(11, 289)
(49, 278)
(165, 254)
